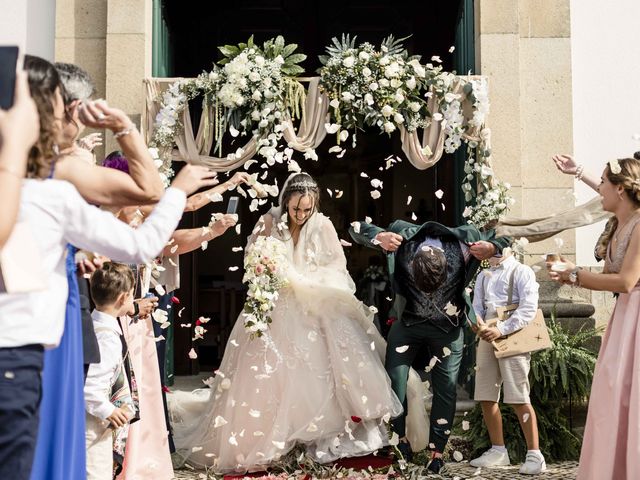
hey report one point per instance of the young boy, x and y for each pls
(491, 291)
(112, 291)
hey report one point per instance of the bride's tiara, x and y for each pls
(303, 185)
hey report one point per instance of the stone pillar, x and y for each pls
(128, 56)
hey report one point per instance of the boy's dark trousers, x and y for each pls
(20, 395)
(426, 340)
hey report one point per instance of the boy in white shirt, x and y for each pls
(112, 292)
(512, 373)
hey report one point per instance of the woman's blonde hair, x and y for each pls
(43, 83)
(628, 177)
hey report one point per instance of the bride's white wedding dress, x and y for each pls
(316, 379)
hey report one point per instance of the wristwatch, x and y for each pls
(573, 276)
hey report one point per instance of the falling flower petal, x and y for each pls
(559, 242)
(375, 194)
(238, 229)
(446, 352)
(159, 338)
(465, 425)
(409, 198)
(402, 349)
(254, 413)
(192, 354)
(204, 245)
(331, 127)
(439, 194)
(196, 449)
(356, 226)
(339, 193)
(451, 310)
(233, 441)
(364, 175)
(376, 183)
(525, 417)
(441, 421)
(236, 249)
(413, 216)
(344, 243)
(174, 249)
(330, 192)
(233, 269)
(279, 445)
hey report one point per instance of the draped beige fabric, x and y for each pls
(537, 229)
(310, 132)
(191, 149)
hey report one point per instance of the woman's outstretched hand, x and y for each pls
(565, 163)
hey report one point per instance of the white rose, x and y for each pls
(267, 82)
(389, 127)
(259, 60)
(384, 60)
(395, 83)
(384, 82)
(411, 83)
(279, 60)
(334, 103)
(414, 106)
(263, 123)
(254, 76)
(398, 97)
(257, 96)
(450, 97)
(348, 61)
(366, 72)
(347, 96)
(373, 87)
(387, 110)
(363, 56)
(398, 118)
(368, 98)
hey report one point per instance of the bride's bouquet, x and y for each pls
(265, 274)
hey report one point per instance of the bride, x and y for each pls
(316, 378)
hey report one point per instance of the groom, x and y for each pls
(430, 266)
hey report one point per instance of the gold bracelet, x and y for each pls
(11, 172)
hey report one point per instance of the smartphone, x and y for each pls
(8, 60)
(232, 207)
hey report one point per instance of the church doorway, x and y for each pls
(192, 30)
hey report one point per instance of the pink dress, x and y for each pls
(611, 446)
(147, 455)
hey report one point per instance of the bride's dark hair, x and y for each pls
(304, 184)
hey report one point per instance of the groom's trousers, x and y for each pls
(428, 341)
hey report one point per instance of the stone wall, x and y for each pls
(111, 39)
(524, 47)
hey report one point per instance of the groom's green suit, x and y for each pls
(424, 323)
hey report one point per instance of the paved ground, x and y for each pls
(455, 471)
(460, 471)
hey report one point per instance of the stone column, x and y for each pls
(128, 56)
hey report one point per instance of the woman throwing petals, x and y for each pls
(611, 445)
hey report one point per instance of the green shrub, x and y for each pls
(560, 376)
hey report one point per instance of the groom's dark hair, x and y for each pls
(429, 268)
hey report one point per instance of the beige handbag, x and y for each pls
(533, 337)
(21, 268)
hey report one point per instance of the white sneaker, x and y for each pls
(533, 464)
(491, 458)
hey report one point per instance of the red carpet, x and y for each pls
(357, 463)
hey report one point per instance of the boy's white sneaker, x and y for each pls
(491, 458)
(533, 464)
